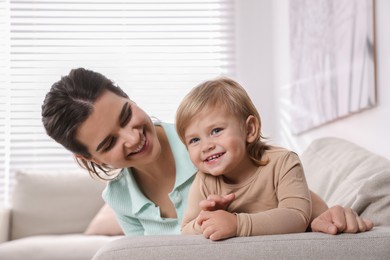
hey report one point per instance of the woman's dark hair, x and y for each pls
(69, 103)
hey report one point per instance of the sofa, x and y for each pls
(340, 172)
(55, 216)
(50, 215)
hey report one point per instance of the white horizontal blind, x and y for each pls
(155, 50)
(4, 99)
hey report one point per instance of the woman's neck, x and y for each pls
(157, 179)
(163, 168)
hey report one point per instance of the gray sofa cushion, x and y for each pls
(369, 245)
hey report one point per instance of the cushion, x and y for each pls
(104, 223)
(373, 199)
(5, 217)
(54, 203)
(346, 174)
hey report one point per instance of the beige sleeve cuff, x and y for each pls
(244, 225)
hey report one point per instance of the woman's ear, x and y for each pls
(252, 129)
(83, 158)
(79, 156)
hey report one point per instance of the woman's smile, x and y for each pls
(141, 148)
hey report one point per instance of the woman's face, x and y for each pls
(118, 133)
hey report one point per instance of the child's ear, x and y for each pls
(252, 128)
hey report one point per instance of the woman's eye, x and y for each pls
(126, 117)
(110, 144)
(216, 131)
(193, 140)
(124, 123)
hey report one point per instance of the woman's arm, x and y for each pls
(189, 223)
(130, 226)
(318, 206)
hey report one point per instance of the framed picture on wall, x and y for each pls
(332, 61)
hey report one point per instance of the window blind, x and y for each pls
(4, 100)
(155, 50)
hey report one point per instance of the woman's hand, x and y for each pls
(340, 220)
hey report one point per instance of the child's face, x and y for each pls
(216, 141)
(118, 133)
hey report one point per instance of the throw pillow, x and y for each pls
(346, 174)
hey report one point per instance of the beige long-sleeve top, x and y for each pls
(275, 200)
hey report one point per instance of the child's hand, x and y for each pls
(217, 225)
(216, 202)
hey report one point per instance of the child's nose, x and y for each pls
(208, 146)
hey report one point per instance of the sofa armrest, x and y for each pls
(5, 221)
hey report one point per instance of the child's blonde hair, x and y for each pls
(229, 95)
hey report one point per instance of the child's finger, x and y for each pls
(214, 197)
(229, 197)
(203, 216)
(207, 205)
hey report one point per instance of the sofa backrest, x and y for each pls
(53, 203)
(346, 174)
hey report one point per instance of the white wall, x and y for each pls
(255, 56)
(262, 51)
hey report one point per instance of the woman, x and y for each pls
(94, 119)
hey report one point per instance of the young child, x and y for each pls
(221, 129)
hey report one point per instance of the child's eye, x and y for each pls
(193, 140)
(216, 131)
